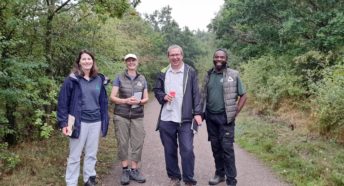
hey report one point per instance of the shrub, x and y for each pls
(329, 103)
(8, 160)
(270, 80)
(27, 99)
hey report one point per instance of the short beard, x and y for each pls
(220, 67)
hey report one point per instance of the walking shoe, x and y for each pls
(174, 182)
(125, 177)
(231, 181)
(91, 181)
(216, 180)
(190, 184)
(136, 175)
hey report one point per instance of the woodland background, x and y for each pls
(290, 54)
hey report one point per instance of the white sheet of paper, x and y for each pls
(138, 96)
(71, 121)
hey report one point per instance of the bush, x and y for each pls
(8, 160)
(27, 99)
(270, 80)
(329, 103)
(150, 70)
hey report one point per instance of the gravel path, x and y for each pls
(250, 171)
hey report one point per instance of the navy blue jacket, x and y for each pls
(69, 102)
(191, 99)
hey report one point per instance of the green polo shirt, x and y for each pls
(215, 100)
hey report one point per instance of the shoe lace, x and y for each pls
(135, 172)
(126, 172)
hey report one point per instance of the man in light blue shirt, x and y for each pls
(172, 111)
(176, 89)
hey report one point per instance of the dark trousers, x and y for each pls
(221, 137)
(172, 134)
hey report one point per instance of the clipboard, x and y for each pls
(194, 126)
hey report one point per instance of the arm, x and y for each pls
(114, 97)
(159, 91)
(241, 103)
(116, 100)
(203, 94)
(197, 106)
(145, 98)
(242, 96)
(63, 106)
(104, 102)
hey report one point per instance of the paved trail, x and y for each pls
(250, 171)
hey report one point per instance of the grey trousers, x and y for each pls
(88, 140)
(129, 132)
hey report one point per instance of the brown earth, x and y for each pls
(251, 172)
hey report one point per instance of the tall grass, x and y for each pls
(299, 158)
(44, 162)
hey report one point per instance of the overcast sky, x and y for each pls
(196, 14)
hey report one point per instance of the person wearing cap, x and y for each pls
(223, 97)
(129, 94)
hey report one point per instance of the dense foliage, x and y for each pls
(291, 52)
(39, 41)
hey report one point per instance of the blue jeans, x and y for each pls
(172, 134)
(221, 137)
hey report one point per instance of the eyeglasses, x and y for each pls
(174, 55)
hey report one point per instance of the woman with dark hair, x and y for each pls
(82, 114)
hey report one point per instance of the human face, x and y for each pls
(86, 62)
(175, 57)
(220, 60)
(131, 63)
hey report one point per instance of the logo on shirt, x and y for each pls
(230, 79)
(139, 84)
(221, 80)
(97, 87)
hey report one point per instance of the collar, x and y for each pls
(181, 70)
(213, 71)
(126, 74)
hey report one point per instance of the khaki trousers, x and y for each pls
(130, 134)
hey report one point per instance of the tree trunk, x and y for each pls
(10, 109)
(48, 53)
(47, 44)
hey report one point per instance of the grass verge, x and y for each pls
(44, 162)
(296, 156)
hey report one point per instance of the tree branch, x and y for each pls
(60, 7)
(314, 5)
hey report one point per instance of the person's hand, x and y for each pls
(65, 131)
(168, 98)
(198, 119)
(132, 101)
